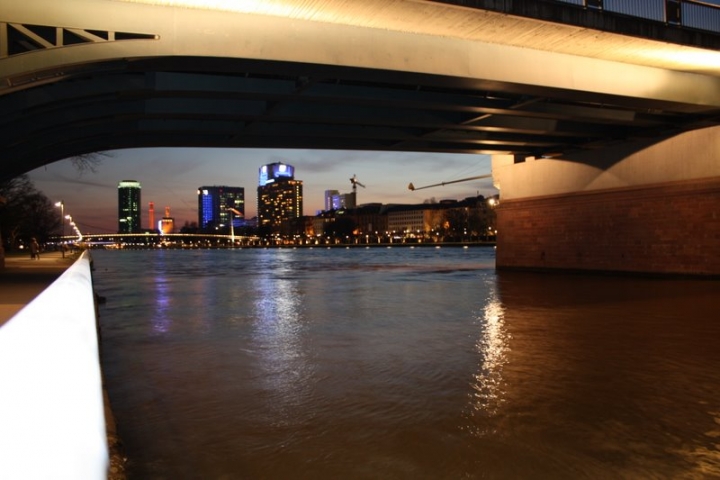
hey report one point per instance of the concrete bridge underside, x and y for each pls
(556, 104)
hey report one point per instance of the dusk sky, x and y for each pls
(170, 177)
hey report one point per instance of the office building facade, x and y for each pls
(280, 196)
(219, 205)
(129, 207)
(334, 200)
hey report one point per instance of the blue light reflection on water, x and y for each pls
(399, 363)
(161, 320)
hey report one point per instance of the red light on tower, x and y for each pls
(151, 215)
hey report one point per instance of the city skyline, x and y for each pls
(170, 177)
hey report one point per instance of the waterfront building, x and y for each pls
(215, 204)
(319, 222)
(167, 223)
(129, 206)
(370, 219)
(406, 219)
(451, 220)
(280, 197)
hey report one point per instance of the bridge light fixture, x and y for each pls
(685, 58)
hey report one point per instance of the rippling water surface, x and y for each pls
(404, 364)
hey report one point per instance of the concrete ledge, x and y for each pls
(51, 407)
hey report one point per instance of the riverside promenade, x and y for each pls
(23, 279)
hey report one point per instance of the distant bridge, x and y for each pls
(157, 239)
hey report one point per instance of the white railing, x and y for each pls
(52, 420)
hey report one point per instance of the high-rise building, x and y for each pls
(214, 204)
(280, 196)
(129, 207)
(334, 200)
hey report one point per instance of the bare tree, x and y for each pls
(26, 212)
(89, 162)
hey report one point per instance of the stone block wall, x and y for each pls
(669, 228)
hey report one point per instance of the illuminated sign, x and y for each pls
(274, 171)
(282, 170)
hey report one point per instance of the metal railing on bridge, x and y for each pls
(685, 13)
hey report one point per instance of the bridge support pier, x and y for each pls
(642, 208)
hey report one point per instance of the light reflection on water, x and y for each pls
(492, 346)
(399, 363)
(276, 338)
(161, 320)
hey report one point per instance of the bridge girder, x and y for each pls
(119, 75)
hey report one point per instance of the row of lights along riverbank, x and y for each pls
(72, 224)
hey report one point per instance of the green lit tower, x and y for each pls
(129, 206)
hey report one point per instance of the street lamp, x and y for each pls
(61, 204)
(232, 227)
(232, 222)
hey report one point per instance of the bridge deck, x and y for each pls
(377, 75)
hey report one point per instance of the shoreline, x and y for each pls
(305, 246)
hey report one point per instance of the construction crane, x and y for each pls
(355, 182)
(413, 187)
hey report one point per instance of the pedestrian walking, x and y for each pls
(34, 250)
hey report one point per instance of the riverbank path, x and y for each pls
(23, 279)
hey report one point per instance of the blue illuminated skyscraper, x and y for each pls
(215, 204)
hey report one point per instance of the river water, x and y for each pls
(404, 363)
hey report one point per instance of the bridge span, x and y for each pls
(578, 104)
